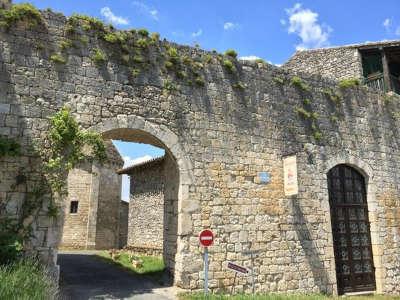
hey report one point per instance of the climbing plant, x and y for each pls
(65, 145)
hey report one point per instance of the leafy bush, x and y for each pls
(229, 65)
(26, 279)
(230, 52)
(65, 44)
(300, 84)
(142, 43)
(87, 22)
(10, 241)
(111, 38)
(239, 85)
(143, 32)
(199, 81)
(9, 147)
(349, 83)
(98, 57)
(278, 80)
(20, 12)
(155, 37)
(57, 58)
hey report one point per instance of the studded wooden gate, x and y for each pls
(355, 270)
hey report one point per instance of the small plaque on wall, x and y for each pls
(264, 177)
(290, 175)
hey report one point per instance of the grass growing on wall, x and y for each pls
(26, 279)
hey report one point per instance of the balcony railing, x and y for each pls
(377, 82)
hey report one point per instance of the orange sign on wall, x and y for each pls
(290, 175)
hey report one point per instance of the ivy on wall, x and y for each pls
(64, 147)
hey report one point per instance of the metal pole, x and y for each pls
(234, 282)
(252, 271)
(205, 270)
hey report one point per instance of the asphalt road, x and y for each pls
(85, 276)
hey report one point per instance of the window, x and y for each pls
(74, 207)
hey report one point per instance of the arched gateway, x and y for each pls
(355, 270)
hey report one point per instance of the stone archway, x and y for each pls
(377, 243)
(137, 129)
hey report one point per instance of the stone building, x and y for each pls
(123, 223)
(146, 206)
(376, 64)
(92, 208)
(302, 171)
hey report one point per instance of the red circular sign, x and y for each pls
(206, 238)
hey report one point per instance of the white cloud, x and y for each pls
(112, 18)
(283, 21)
(197, 33)
(146, 10)
(397, 32)
(254, 57)
(304, 23)
(250, 57)
(230, 26)
(129, 161)
(387, 23)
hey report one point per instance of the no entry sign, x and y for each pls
(206, 238)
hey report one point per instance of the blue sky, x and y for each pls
(271, 30)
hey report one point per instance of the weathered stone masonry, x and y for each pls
(146, 206)
(96, 189)
(220, 137)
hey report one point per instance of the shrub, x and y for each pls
(239, 85)
(138, 59)
(331, 95)
(87, 22)
(173, 55)
(142, 43)
(111, 38)
(65, 44)
(230, 52)
(20, 12)
(300, 84)
(155, 37)
(199, 81)
(278, 80)
(303, 113)
(169, 64)
(169, 86)
(135, 72)
(57, 58)
(229, 65)
(349, 83)
(9, 147)
(143, 32)
(181, 75)
(207, 58)
(26, 279)
(98, 56)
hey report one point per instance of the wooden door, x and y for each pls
(355, 270)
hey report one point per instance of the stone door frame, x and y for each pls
(376, 240)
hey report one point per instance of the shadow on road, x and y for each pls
(86, 276)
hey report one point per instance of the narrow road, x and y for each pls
(85, 276)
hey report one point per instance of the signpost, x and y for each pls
(206, 238)
(237, 269)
